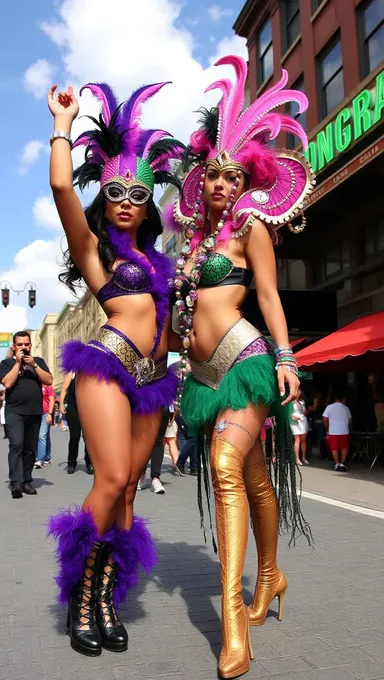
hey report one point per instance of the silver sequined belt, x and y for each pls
(235, 341)
(144, 369)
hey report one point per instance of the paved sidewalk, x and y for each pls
(361, 486)
(333, 625)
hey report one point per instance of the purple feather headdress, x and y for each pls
(233, 138)
(119, 148)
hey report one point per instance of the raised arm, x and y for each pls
(81, 241)
(260, 253)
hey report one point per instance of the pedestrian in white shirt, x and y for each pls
(337, 420)
(299, 426)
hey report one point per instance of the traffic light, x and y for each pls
(5, 296)
(32, 297)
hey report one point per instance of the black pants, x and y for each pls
(73, 421)
(158, 449)
(23, 435)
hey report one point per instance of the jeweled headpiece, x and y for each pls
(119, 150)
(231, 137)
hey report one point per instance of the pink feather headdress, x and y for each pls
(235, 138)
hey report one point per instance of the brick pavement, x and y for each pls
(333, 625)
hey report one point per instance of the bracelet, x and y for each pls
(60, 134)
(292, 368)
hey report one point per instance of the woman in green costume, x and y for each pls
(237, 192)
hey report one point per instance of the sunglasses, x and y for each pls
(118, 192)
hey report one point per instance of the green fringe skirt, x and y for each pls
(251, 381)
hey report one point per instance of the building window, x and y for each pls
(373, 240)
(290, 15)
(334, 262)
(293, 110)
(264, 52)
(371, 25)
(291, 274)
(331, 78)
(315, 5)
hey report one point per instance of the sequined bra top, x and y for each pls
(218, 270)
(127, 279)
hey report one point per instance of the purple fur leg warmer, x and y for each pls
(75, 532)
(131, 550)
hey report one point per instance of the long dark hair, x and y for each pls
(147, 233)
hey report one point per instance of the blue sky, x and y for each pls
(68, 41)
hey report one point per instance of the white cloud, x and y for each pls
(30, 155)
(39, 262)
(45, 213)
(217, 13)
(12, 318)
(94, 47)
(38, 78)
(230, 45)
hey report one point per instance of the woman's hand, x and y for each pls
(66, 103)
(285, 377)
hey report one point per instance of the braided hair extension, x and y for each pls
(203, 474)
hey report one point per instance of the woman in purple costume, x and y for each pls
(122, 380)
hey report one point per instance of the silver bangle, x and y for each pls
(60, 134)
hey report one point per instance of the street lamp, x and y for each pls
(6, 287)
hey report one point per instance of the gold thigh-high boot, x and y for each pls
(271, 582)
(232, 518)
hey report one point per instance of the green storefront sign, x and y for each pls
(351, 123)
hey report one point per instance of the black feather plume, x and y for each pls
(209, 122)
(164, 177)
(87, 173)
(166, 146)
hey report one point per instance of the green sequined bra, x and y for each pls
(218, 270)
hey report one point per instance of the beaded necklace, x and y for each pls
(206, 246)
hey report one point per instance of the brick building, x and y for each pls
(334, 51)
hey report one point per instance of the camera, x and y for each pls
(26, 352)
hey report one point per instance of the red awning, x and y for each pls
(356, 347)
(297, 342)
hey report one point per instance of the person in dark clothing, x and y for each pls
(23, 376)
(188, 447)
(157, 458)
(315, 410)
(69, 407)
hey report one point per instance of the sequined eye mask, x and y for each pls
(137, 194)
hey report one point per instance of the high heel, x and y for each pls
(271, 582)
(113, 633)
(232, 519)
(264, 596)
(281, 597)
(84, 634)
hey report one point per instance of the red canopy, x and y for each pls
(356, 347)
(297, 342)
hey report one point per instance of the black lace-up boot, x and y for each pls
(84, 633)
(114, 636)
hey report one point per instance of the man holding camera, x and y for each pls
(23, 376)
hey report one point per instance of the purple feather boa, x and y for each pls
(131, 550)
(157, 267)
(79, 358)
(75, 532)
